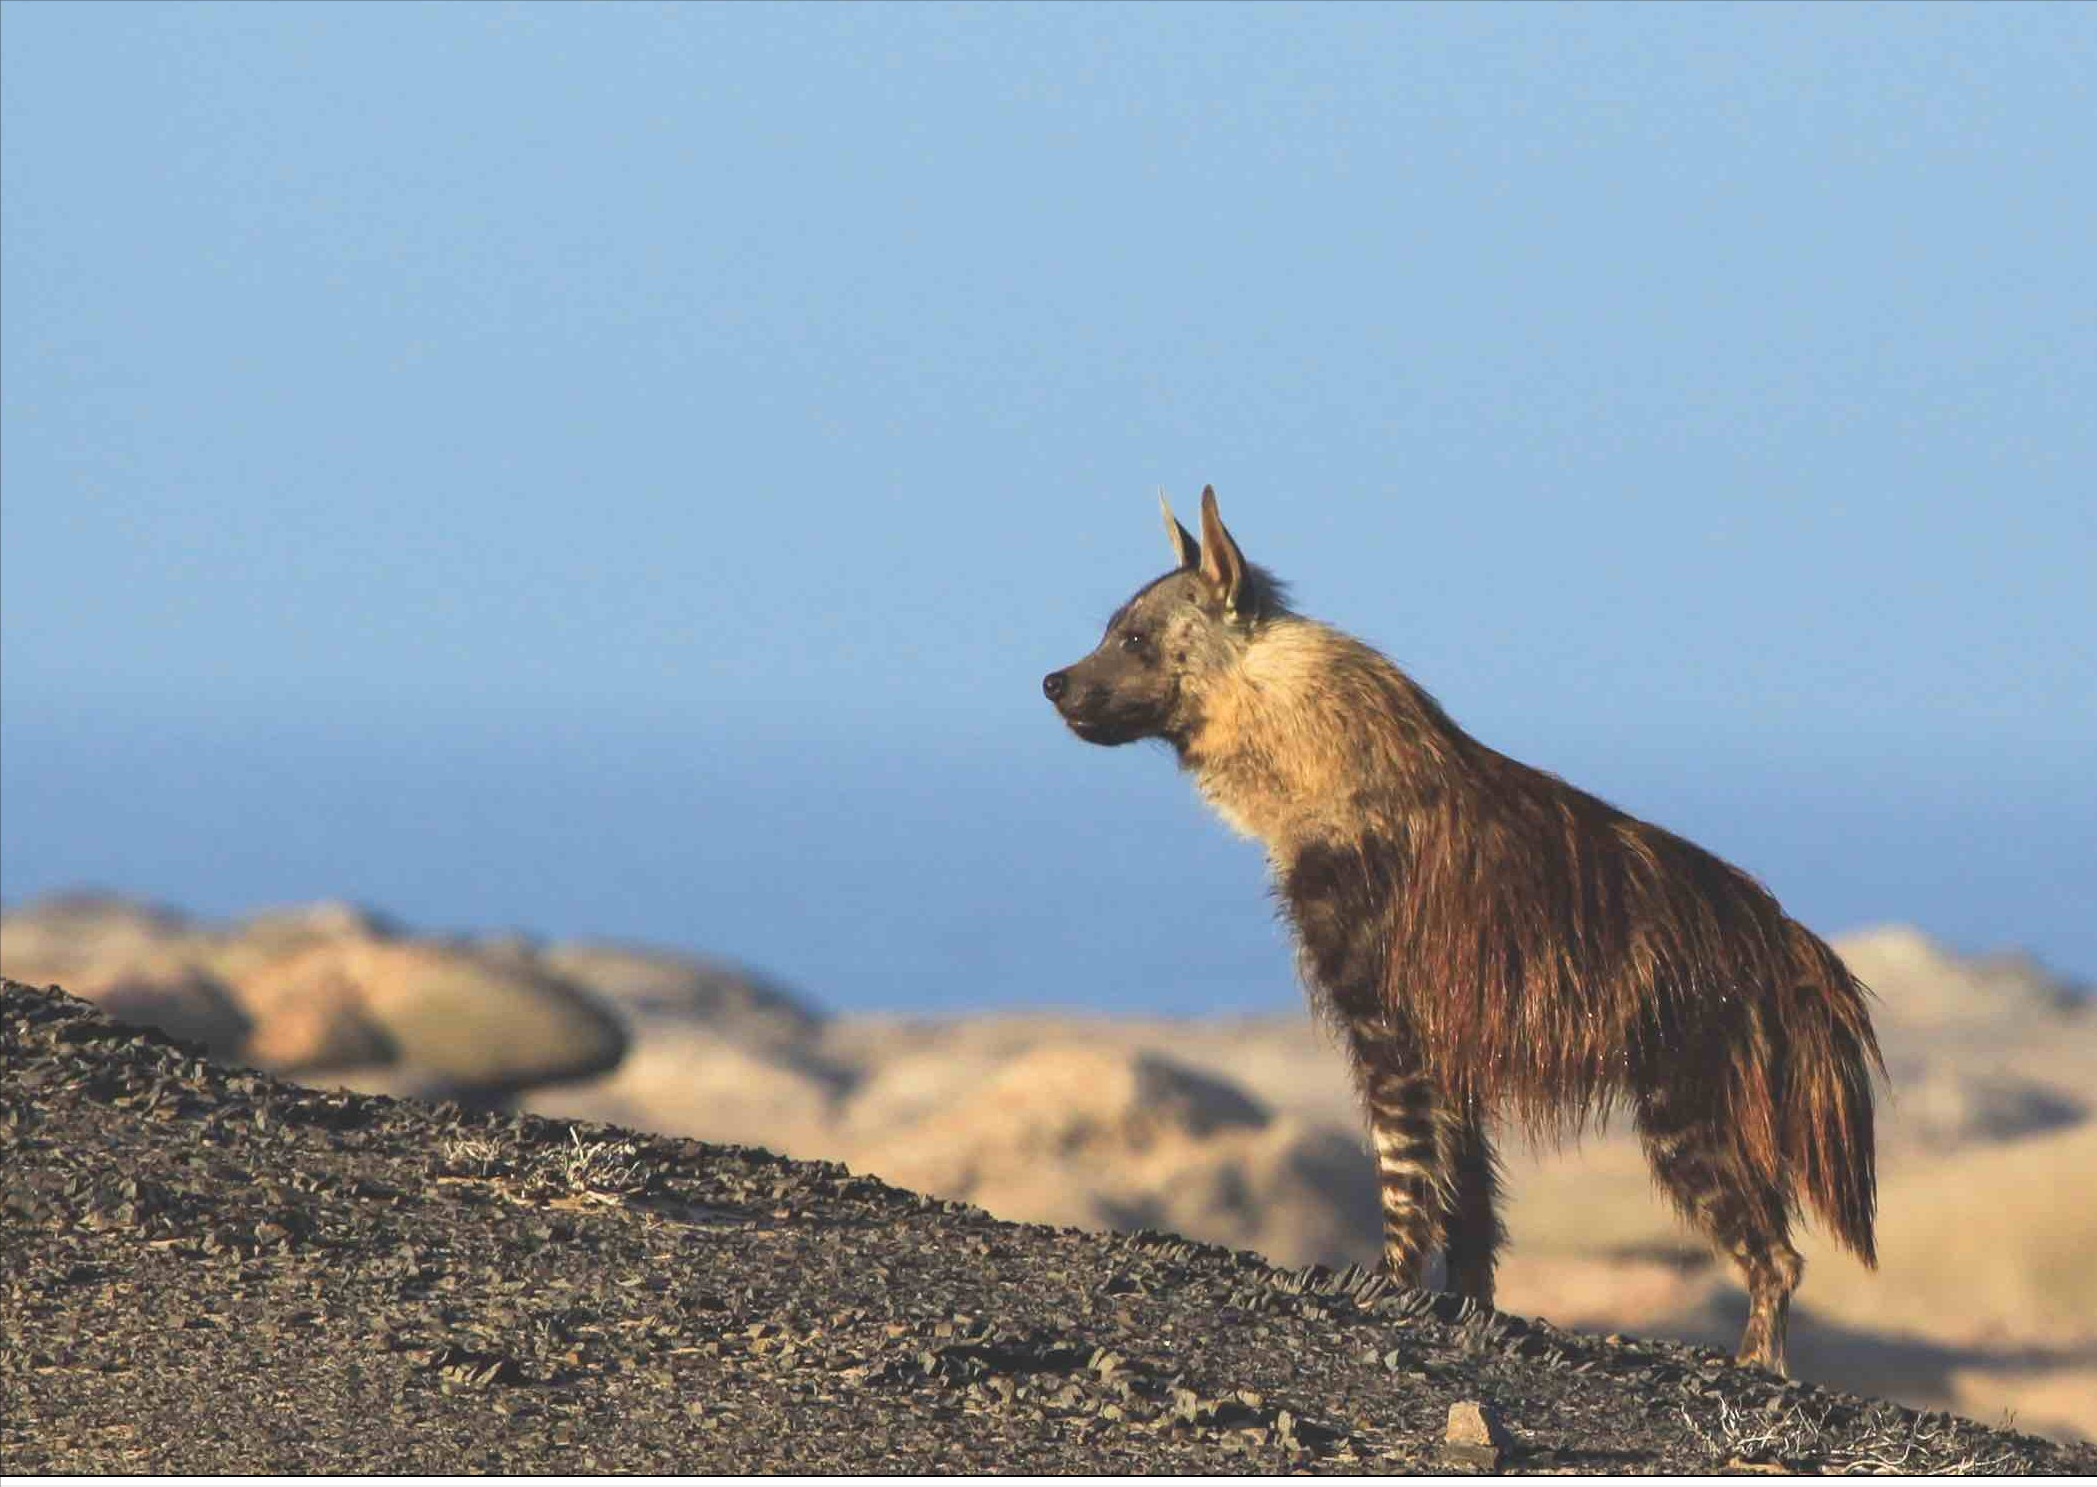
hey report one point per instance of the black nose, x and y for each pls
(1055, 684)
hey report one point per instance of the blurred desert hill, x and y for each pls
(1238, 1131)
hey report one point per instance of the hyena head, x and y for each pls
(1163, 648)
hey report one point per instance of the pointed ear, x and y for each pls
(1185, 550)
(1222, 565)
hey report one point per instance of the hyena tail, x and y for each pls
(1824, 1128)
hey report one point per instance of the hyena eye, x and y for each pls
(1133, 640)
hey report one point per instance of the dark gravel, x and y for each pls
(204, 1269)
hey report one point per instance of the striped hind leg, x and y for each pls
(1698, 1161)
(1412, 1175)
(1474, 1233)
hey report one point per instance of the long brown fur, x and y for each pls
(1553, 954)
(1494, 939)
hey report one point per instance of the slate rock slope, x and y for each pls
(203, 1269)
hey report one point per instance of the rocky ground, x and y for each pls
(1240, 1132)
(204, 1269)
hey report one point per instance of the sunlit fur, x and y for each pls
(1494, 940)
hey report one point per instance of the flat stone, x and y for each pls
(1475, 1437)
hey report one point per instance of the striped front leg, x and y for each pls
(1411, 1163)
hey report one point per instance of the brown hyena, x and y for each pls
(1492, 940)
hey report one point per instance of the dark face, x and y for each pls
(1131, 686)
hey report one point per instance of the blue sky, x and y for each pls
(624, 469)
